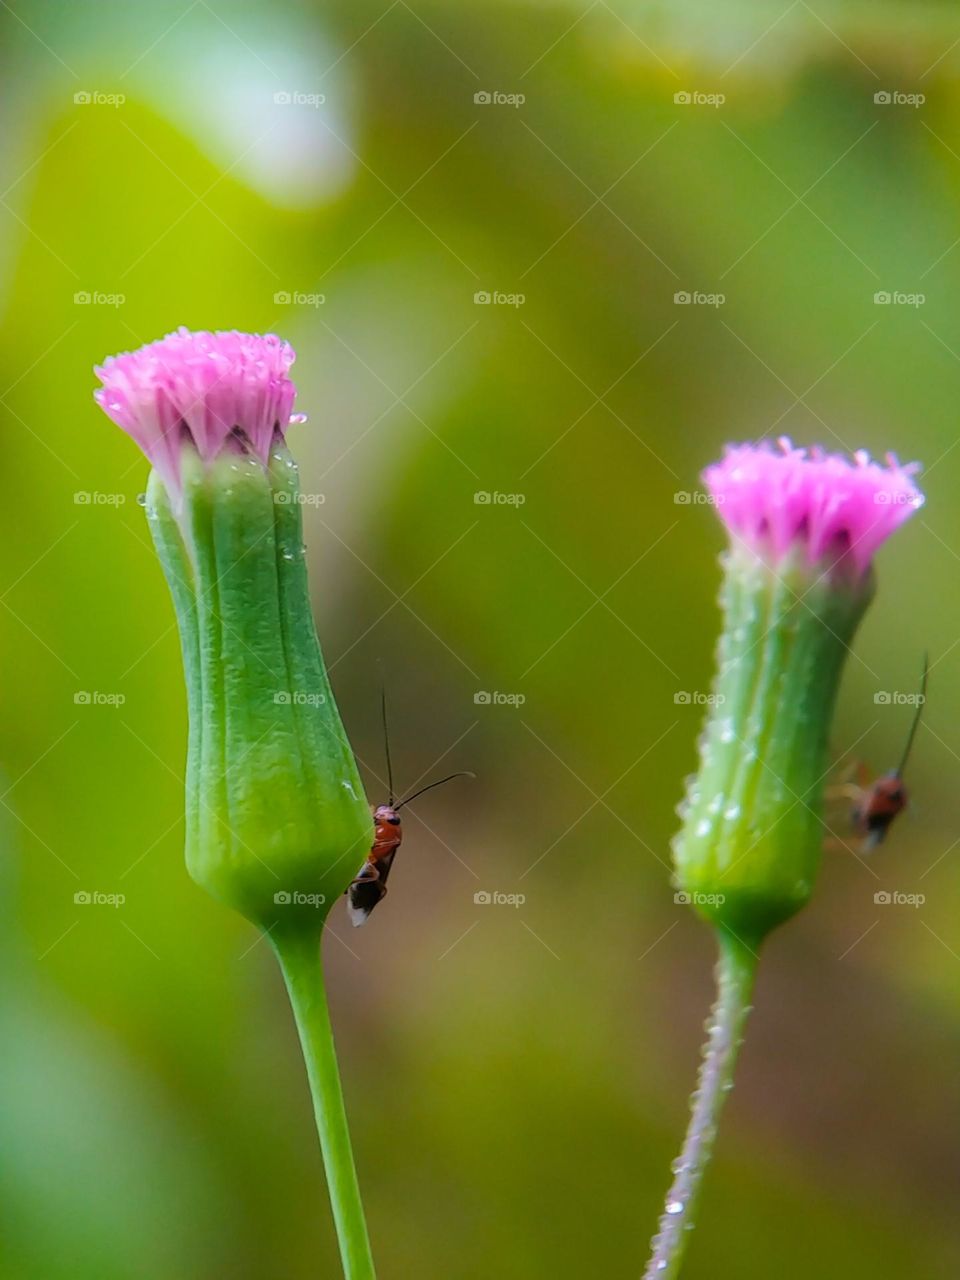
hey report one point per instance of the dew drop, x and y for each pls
(675, 1207)
(141, 499)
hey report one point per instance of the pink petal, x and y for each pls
(774, 497)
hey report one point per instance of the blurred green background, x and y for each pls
(516, 1075)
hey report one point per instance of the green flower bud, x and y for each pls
(277, 820)
(798, 579)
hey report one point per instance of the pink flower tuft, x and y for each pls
(773, 498)
(213, 388)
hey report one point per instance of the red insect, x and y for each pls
(877, 804)
(370, 883)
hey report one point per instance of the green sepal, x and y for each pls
(277, 820)
(750, 846)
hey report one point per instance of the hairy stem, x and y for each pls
(300, 962)
(736, 969)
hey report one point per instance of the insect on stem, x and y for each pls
(370, 883)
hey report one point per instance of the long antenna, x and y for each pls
(921, 702)
(464, 773)
(386, 736)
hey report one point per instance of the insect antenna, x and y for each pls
(917, 715)
(464, 773)
(386, 739)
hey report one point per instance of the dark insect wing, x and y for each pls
(383, 866)
(366, 891)
(877, 825)
(363, 896)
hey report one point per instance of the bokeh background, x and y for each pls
(516, 1074)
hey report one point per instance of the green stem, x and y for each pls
(302, 969)
(736, 969)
